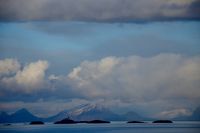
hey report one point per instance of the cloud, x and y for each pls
(9, 66)
(29, 79)
(53, 77)
(99, 10)
(163, 80)
(165, 83)
(174, 113)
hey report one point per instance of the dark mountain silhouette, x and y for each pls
(4, 117)
(22, 115)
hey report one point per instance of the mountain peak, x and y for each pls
(22, 115)
(22, 111)
(86, 108)
(3, 113)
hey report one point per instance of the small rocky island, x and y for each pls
(135, 122)
(70, 121)
(163, 121)
(7, 124)
(97, 121)
(66, 121)
(36, 123)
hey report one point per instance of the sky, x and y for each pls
(129, 55)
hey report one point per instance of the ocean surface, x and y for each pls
(113, 127)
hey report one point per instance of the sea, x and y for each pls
(113, 127)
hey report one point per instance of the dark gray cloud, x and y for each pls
(99, 10)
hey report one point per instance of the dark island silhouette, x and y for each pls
(81, 121)
(97, 121)
(70, 121)
(66, 121)
(7, 124)
(135, 122)
(163, 121)
(36, 123)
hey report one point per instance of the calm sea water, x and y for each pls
(113, 127)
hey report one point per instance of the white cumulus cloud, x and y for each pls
(30, 78)
(9, 66)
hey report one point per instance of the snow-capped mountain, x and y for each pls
(72, 113)
(85, 112)
(83, 109)
(91, 112)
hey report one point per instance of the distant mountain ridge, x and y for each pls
(22, 115)
(82, 113)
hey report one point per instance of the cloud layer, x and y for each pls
(99, 10)
(166, 83)
(160, 81)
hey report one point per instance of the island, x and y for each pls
(97, 122)
(162, 121)
(135, 122)
(7, 124)
(66, 121)
(36, 123)
(82, 121)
